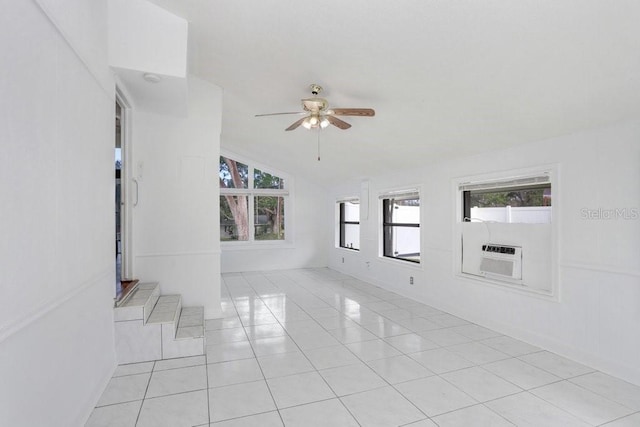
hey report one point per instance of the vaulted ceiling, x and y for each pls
(446, 78)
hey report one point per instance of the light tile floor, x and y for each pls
(313, 347)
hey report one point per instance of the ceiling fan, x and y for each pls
(319, 116)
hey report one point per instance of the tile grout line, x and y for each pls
(596, 393)
(379, 338)
(319, 295)
(144, 397)
(365, 364)
(359, 358)
(206, 371)
(382, 378)
(316, 371)
(260, 367)
(620, 418)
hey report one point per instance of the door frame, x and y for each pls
(126, 186)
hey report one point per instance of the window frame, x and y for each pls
(342, 222)
(251, 193)
(386, 226)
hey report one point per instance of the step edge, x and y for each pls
(121, 304)
(176, 312)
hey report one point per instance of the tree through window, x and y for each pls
(234, 208)
(244, 190)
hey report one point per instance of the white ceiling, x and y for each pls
(446, 78)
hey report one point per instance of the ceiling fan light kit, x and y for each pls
(314, 121)
(320, 116)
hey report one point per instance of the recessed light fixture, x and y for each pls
(151, 78)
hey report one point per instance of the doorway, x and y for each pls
(124, 284)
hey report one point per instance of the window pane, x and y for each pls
(539, 196)
(351, 236)
(401, 229)
(404, 211)
(530, 205)
(349, 233)
(266, 180)
(233, 174)
(351, 212)
(234, 218)
(402, 242)
(269, 218)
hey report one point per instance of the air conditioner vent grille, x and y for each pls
(497, 266)
(501, 261)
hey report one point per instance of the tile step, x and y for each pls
(151, 326)
(166, 310)
(191, 323)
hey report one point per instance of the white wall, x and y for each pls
(83, 25)
(145, 37)
(310, 239)
(175, 223)
(596, 320)
(56, 217)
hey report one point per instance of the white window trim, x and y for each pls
(517, 181)
(251, 192)
(409, 191)
(522, 175)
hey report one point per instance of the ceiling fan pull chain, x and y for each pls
(318, 144)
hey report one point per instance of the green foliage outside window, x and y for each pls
(540, 196)
(268, 209)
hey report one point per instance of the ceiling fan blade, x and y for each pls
(337, 122)
(296, 124)
(278, 114)
(364, 112)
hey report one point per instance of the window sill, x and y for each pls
(348, 250)
(248, 246)
(401, 263)
(515, 288)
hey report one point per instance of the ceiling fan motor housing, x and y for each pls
(315, 104)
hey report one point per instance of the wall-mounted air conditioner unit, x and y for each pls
(502, 262)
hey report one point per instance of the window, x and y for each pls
(401, 226)
(245, 189)
(506, 233)
(349, 224)
(525, 201)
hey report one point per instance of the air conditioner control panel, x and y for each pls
(508, 250)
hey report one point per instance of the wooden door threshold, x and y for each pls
(126, 287)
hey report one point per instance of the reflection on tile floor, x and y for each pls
(313, 347)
